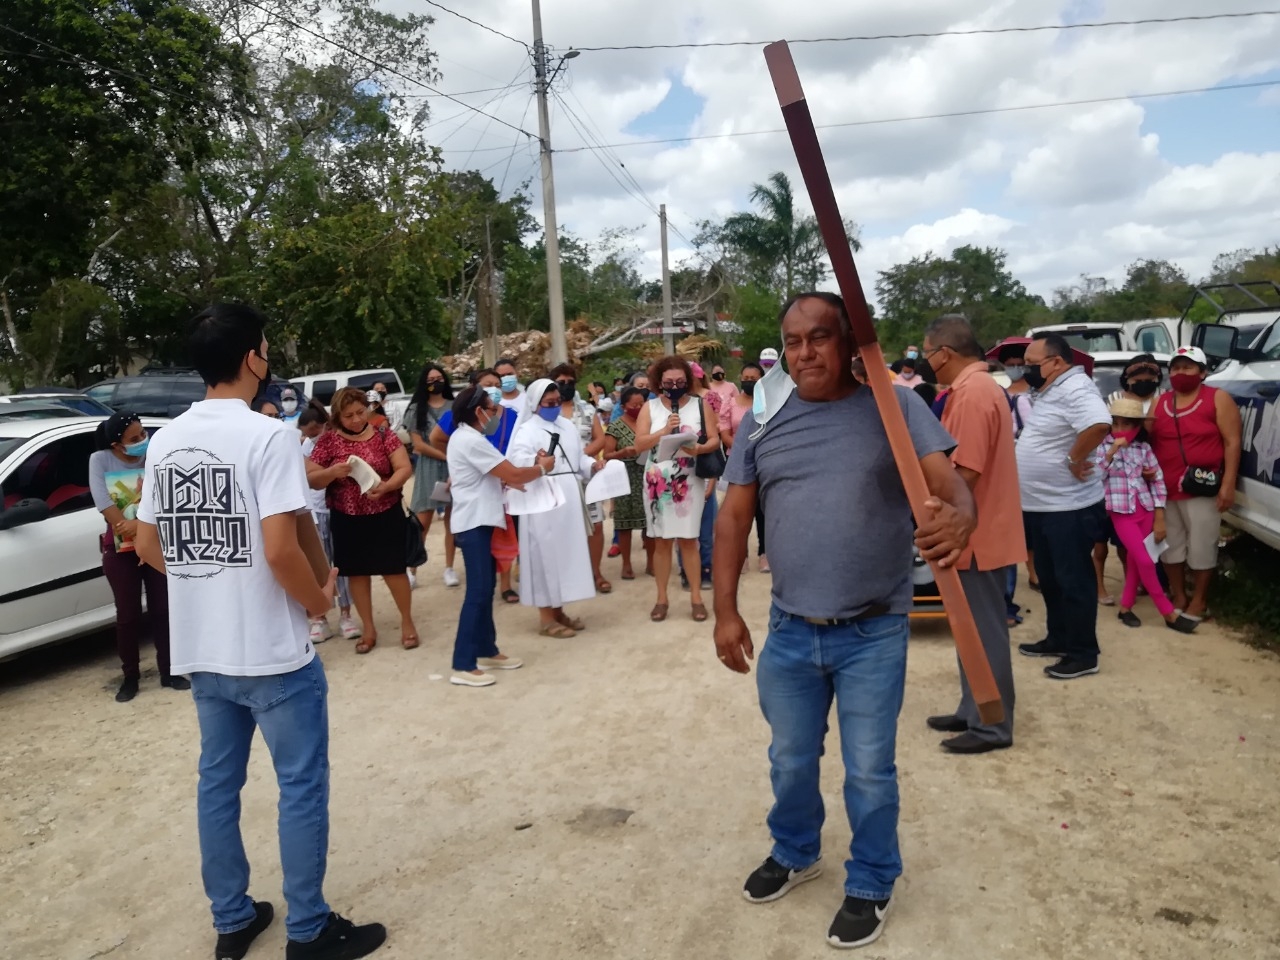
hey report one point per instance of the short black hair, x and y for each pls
(751, 364)
(221, 336)
(563, 370)
(506, 362)
(954, 330)
(310, 415)
(831, 300)
(1055, 345)
(597, 383)
(628, 393)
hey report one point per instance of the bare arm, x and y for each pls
(943, 533)
(733, 639)
(401, 471)
(970, 477)
(319, 477)
(514, 476)
(597, 438)
(290, 566)
(440, 440)
(1080, 459)
(425, 449)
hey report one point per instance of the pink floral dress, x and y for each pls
(673, 494)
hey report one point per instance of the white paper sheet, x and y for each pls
(612, 481)
(440, 492)
(539, 496)
(1155, 550)
(363, 474)
(669, 446)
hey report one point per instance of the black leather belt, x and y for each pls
(875, 610)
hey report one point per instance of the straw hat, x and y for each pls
(1128, 409)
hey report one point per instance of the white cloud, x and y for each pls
(1064, 191)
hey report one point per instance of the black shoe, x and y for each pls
(858, 922)
(972, 743)
(948, 723)
(706, 577)
(1069, 668)
(233, 946)
(1039, 649)
(1183, 624)
(175, 683)
(128, 690)
(340, 940)
(772, 881)
(1128, 618)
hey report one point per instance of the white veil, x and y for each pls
(533, 399)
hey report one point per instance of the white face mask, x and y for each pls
(289, 407)
(770, 394)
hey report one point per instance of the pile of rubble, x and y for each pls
(529, 349)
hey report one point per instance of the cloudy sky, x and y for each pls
(1065, 190)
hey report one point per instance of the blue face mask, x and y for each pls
(494, 394)
(509, 384)
(549, 414)
(136, 449)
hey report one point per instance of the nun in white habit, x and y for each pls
(555, 562)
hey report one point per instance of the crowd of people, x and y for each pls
(243, 502)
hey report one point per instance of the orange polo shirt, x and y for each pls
(977, 416)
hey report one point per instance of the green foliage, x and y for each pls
(1244, 593)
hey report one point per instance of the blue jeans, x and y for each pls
(706, 534)
(1012, 610)
(292, 712)
(477, 636)
(1063, 544)
(863, 667)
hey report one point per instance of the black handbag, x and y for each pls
(415, 551)
(1195, 481)
(709, 465)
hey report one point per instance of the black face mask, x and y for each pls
(567, 389)
(1143, 388)
(1033, 376)
(675, 394)
(718, 375)
(749, 387)
(435, 386)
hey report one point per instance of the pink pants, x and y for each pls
(1132, 529)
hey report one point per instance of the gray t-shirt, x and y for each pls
(836, 516)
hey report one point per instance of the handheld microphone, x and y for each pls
(555, 442)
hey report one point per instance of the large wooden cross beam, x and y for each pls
(804, 140)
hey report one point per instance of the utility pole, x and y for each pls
(555, 289)
(668, 321)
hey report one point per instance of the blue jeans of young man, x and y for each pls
(863, 667)
(706, 534)
(292, 712)
(477, 636)
(1063, 544)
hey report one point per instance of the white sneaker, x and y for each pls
(320, 631)
(413, 580)
(450, 578)
(494, 663)
(350, 629)
(471, 680)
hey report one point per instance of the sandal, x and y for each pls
(510, 596)
(604, 586)
(557, 630)
(410, 642)
(658, 613)
(573, 623)
(366, 644)
(700, 612)
(629, 576)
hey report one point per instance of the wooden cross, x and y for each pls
(804, 140)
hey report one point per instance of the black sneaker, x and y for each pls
(772, 881)
(858, 922)
(233, 946)
(706, 577)
(340, 940)
(128, 690)
(1039, 649)
(175, 683)
(1128, 618)
(1069, 668)
(1183, 624)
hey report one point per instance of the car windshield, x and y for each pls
(1107, 379)
(1093, 341)
(8, 445)
(34, 411)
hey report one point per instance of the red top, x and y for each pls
(1201, 438)
(344, 495)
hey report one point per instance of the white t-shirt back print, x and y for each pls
(212, 475)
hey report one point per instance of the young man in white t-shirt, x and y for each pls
(219, 514)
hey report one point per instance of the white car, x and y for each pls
(51, 582)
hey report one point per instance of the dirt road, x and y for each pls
(608, 801)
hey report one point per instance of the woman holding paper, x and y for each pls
(366, 518)
(115, 482)
(479, 470)
(674, 495)
(555, 561)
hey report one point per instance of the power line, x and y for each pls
(942, 33)
(482, 26)
(515, 146)
(380, 66)
(454, 93)
(501, 98)
(938, 116)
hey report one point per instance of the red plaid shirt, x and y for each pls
(1125, 487)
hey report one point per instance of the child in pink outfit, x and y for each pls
(1135, 499)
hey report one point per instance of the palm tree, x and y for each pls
(784, 249)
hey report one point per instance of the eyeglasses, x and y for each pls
(674, 383)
